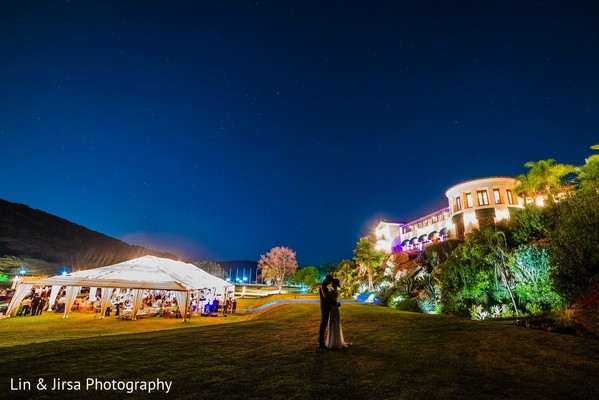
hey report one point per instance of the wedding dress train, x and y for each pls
(334, 338)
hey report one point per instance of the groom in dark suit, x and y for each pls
(326, 298)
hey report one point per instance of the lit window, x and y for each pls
(496, 196)
(458, 204)
(483, 198)
(510, 198)
(469, 203)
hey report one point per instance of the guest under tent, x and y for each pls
(135, 277)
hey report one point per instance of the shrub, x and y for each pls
(591, 301)
(386, 295)
(430, 294)
(529, 224)
(427, 306)
(408, 305)
(574, 245)
(534, 309)
(465, 279)
(478, 313)
(441, 250)
(531, 270)
(393, 300)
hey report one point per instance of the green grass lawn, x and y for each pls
(273, 355)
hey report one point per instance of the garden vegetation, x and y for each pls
(544, 260)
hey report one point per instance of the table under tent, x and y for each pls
(136, 276)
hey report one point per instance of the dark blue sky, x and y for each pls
(222, 129)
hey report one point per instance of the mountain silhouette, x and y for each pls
(28, 233)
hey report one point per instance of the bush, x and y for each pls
(465, 278)
(574, 245)
(441, 250)
(393, 300)
(478, 313)
(591, 301)
(529, 224)
(427, 306)
(408, 305)
(530, 267)
(385, 296)
(534, 309)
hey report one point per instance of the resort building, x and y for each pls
(470, 204)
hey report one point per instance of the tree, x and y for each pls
(476, 273)
(530, 267)
(529, 224)
(543, 178)
(278, 265)
(574, 235)
(437, 253)
(574, 245)
(307, 276)
(368, 258)
(326, 269)
(9, 267)
(588, 174)
(348, 276)
(211, 267)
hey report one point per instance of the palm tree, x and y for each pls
(588, 174)
(368, 258)
(543, 178)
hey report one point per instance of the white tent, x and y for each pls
(141, 273)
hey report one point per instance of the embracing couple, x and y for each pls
(329, 315)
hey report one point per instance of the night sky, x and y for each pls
(220, 129)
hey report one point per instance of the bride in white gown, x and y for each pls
(334, 339)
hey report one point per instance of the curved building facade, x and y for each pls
(481, 201)
(472, 204)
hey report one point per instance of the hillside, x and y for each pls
(33, 234)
